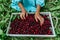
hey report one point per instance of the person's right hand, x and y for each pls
(24, 14)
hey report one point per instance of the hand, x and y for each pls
(23, 14)
(40, 18)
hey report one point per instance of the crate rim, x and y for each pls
(49, 13)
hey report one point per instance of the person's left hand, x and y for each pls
(39, 17)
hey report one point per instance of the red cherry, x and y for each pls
(30, 26)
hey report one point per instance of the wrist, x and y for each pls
(23, 9)
(37, 13)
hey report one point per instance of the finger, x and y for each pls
(26, 14)
(42, 21)
(36, 19)
(21, 16)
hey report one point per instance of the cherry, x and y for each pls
(30, 26)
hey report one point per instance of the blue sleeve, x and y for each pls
(40, 2)
(16, 1)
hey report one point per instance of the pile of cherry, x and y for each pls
(30, 26)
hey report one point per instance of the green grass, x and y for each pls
(52, 6)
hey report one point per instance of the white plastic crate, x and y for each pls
(29, 35)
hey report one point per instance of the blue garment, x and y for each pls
(29, 5)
